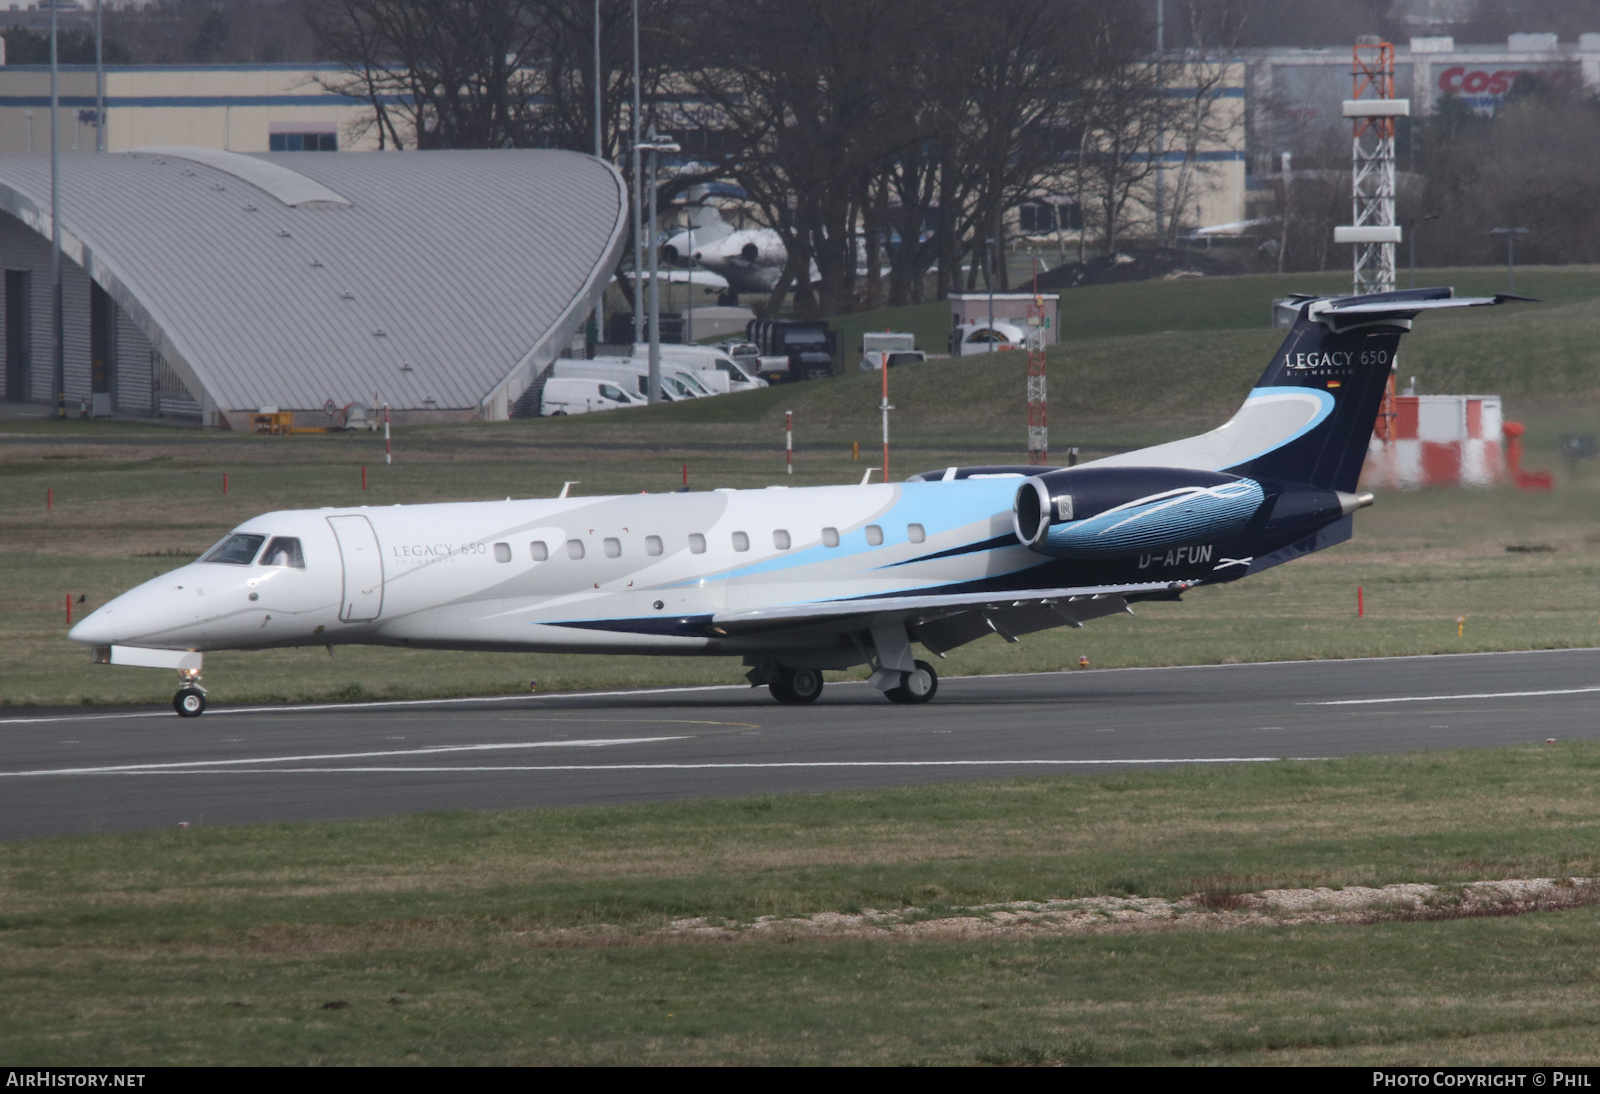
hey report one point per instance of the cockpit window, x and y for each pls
(284, 551)
(235, 550)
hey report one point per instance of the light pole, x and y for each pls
(58, 365)
(688, 285)
(597, 148)
(638, 203)
(99, 83)
(1511, 235)
(1411, 237)
(655, 146)
(988, 277)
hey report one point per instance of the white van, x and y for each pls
(707, 359)
(633, 375)
(564, 395)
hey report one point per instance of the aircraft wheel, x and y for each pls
(797, 686)
(189, 703)
(917, 686)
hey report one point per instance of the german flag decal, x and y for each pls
(1333, 383)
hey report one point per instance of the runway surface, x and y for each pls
(65, 772)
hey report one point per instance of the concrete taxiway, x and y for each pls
(66, 772)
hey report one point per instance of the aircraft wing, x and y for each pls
(944, 621)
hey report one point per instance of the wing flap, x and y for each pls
(1069, 605)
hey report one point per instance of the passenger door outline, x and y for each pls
(361, 563)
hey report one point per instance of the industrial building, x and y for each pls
(238, 108)
(1296, 92)
(203, 285)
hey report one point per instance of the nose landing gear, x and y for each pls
(190, 702)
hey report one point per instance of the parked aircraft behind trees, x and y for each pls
(748, 259)
(799, 581)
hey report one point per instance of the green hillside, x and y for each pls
(1147, 361)
(1209, 303)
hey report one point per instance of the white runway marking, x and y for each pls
(216, 712)
(213, 765)
(1444, 698)
(203, 768)
(300, 708)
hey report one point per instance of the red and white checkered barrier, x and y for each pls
(1438, 440)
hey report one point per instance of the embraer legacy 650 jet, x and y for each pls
(798, 581)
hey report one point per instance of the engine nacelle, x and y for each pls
(1103, 512)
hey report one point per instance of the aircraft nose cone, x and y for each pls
(97, 629)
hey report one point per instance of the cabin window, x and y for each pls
(539, 550)
(780, 539)
(741, 542)
(502, 552)
(830, 537)
(613, 547)
(652, 545)
(697, 543)
(874, 535)
(574, 548)
(915, 533)
(283, 551)
(235, 550)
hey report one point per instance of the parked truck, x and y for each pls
(807, 347)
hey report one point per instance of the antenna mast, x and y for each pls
(1373, 109)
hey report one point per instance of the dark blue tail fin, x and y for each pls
(1340, 352)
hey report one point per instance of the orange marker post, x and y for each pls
(1361, 609)
(363, 476)
(224, 482)
(69, 609)
(49, 497)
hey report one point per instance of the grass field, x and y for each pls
(131, 501)
(545, 936)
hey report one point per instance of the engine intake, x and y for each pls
(1101, 512)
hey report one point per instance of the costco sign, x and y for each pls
(1483, 85)
(1476, 81)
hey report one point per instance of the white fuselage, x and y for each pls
(629, 573)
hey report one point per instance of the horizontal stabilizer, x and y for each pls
(1385, 304)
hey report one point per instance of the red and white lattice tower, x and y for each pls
(1372, 109)
(1038, 402)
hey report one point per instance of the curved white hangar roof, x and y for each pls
(435, 280)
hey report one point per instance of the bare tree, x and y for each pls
(812, 88)
(1126, 111)
(1215, 28)
(439, 73)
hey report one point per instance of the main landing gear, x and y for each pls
(795, 686)
(917, 686)
(190, 702)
